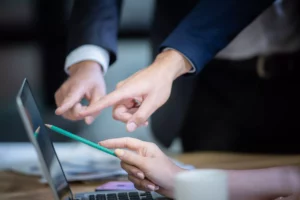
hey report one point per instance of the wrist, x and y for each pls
(176, 170)
(85, 66)
(173, 63)
(291, 180)
(282, 181)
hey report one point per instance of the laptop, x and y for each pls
(50, 164)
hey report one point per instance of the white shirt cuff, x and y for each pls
(193, 70)
(88, 52)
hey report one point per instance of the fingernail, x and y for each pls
(131, 126)
(151, 187)
(146, 124)
(140, 175)
(156, 188)
(89, 120)
(119, 152)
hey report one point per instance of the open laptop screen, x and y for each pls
(51, 166)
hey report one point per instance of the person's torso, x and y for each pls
(276, 30)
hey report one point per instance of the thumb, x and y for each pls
(96, 95)
(131, 158)
(141, 116)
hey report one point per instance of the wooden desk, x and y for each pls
(15, 186)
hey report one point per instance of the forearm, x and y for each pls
(210, 26)
(268, 183)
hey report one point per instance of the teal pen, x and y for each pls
(80, 139)
(37, 131)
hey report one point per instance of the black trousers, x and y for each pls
(229, 107)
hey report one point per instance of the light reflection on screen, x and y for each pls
(45, 144)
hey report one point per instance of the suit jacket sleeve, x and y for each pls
(210, 26)
(94, 22)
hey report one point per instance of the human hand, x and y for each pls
(147, 166)
(85, 81)
(151, 87)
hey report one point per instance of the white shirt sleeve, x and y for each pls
(193, 70)
(88, 52)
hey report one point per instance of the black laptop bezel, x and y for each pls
(66, 191)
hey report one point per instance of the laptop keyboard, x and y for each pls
(122, 196)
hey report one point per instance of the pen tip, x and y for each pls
(48, 125)
(37, 130)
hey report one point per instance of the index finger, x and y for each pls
(126, 142)
(104, 102)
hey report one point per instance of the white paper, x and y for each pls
(79, 161)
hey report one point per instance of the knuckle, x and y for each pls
(119, 84)
(137, 186)
(156, 104)
(132, 170)
(57, 94)
(132, 179)
(115, 116)
(123, 165)
(71, 118)
(68, 117)
(127, 141)
(65, 86)
(153, 145)
(150, 147)
(144, 183)
(69, 94)
(140, 118)
(57, 102)
(76, 116)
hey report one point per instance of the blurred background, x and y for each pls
(234, 104)
(32, 45)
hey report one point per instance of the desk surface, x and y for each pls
(16, 186)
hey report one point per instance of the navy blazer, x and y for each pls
(95, 22)
(207, 29)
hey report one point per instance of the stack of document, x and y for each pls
(79, 161)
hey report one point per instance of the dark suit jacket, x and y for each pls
(198, 29)
(203, 32)
(94, 22)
